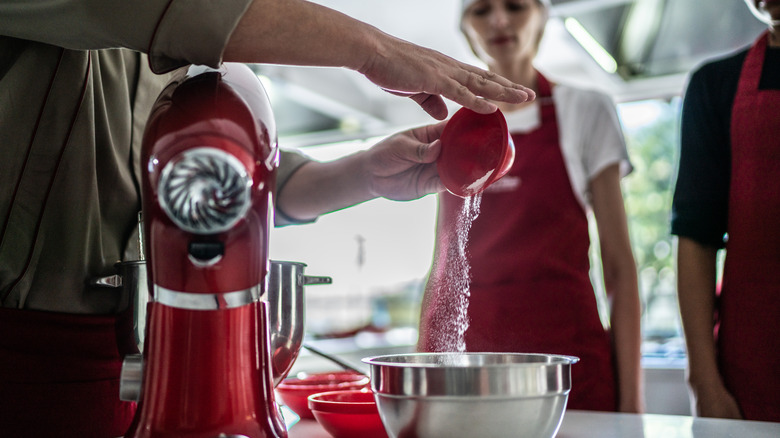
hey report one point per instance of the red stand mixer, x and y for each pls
(209, 163)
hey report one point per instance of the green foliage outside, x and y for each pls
(653, 150)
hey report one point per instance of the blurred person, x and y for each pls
(727, 196)
(528, 249)
(77, 81)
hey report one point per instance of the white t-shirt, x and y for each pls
(590, 134)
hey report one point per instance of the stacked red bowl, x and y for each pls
(295, 391)
(348, 414)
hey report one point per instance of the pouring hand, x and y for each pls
(403, 166)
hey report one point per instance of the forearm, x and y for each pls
(620, 280)
(626, 336)
(318, 188)
(299, 32)
(696, 276)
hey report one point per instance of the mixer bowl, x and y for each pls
(431, 395)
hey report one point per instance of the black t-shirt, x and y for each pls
(700, 204)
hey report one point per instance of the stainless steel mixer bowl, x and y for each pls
(286, 304)
(431, 395)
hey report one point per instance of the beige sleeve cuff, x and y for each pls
(194, 32)
(289, 163)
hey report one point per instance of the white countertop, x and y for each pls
(583, 424)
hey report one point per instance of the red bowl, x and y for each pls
(476, 150)
(295, 391)
(348, 414)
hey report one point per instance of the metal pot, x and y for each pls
(286, 312)
(131, 279)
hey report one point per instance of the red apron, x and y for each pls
(749, 304)
(59, 374)
(528, 252)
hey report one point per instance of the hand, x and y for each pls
(631, 405)
(403, 166)
(716, 401)
(425, 75)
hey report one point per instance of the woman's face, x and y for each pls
(504, 30)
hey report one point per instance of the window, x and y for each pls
(651, 128)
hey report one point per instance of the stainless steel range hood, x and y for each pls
(631, 49)
(650, 38)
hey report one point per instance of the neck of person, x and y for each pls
(523, 73)
(774, 35)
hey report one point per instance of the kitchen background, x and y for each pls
(378, 253)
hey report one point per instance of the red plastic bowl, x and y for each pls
(348, 414)
(295, 391)
(476, 150)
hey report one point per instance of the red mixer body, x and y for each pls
(224, 111)
(209, 163)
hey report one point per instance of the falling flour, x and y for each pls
(454, 283)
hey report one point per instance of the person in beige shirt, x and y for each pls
(77, 80)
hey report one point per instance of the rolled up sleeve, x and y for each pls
(172, 32)
(701, 194)
(194, 32)
(290, 162)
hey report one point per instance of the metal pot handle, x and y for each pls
(313, 279)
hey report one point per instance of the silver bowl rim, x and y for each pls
(382, 360)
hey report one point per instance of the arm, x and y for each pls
(304, 33)
(699, 219)
(620, 279)
(401, 167)
(298, 32)
(696, 277)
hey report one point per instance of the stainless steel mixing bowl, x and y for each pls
(431, 395)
